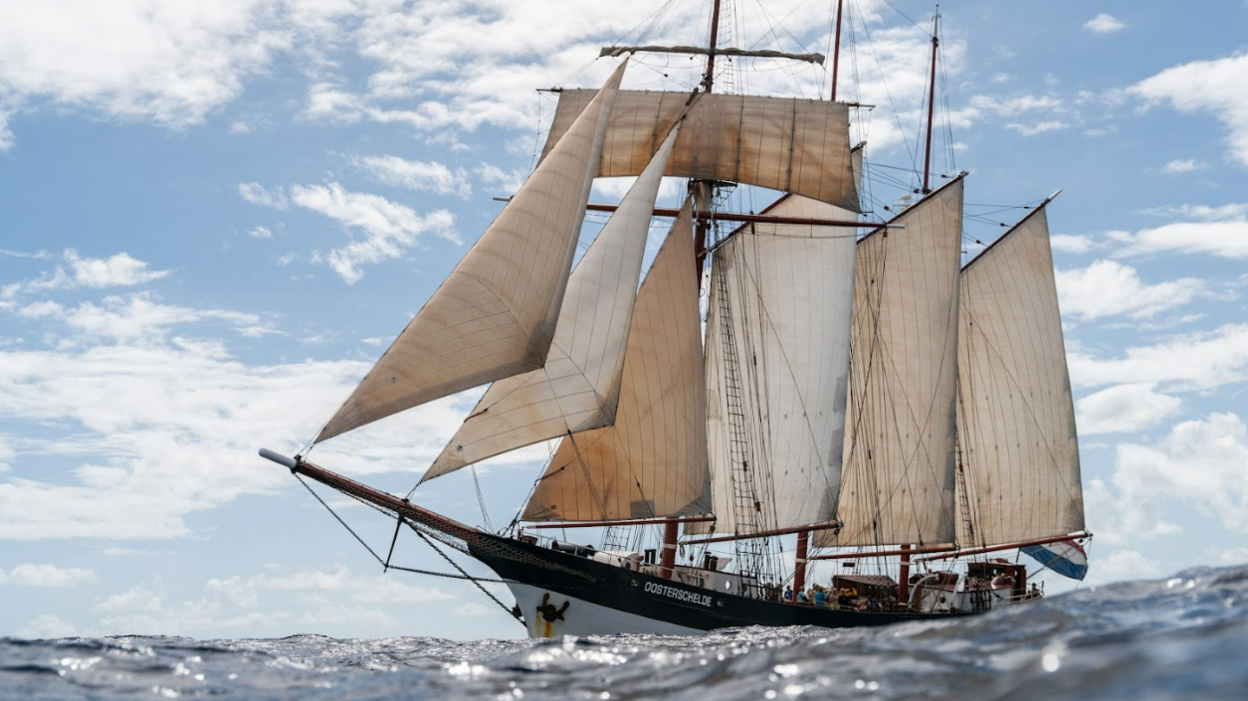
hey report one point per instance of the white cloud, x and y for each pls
(1014, 106)
(471, 608)
(138, 316)
(44, 575)
(1038, 128)
(1200, 464)
(506, 181)
(1124, 409)
(1215, 86)
(367, 589)
(1097, 132)
(1186, 165)
(167, 63)
(418, 175)
(1224, 239)
(261, 232)
(118, 270)
(1122, 565)
(1070, 243)
(316, 599)
(1198, 361)
(389, 229)
(160, 427)
(1104, 24)
(1233, 556)
(1109, 288)
(46, 626)
(1220, 213)
(255, 193)
(6, 453)
(226, 604)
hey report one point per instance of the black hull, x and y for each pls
(657, 599)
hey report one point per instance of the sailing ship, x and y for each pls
(866, 398)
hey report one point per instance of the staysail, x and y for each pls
(494, 316)
(897, 480)
(578, 387)
(652, 460)
(780, 307)
(1016, 418)
(787, 144)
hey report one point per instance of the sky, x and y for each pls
(215, 216)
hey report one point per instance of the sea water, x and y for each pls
(1185, 637)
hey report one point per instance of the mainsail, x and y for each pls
(579, 385)
(897, 481)
(1016, 420)
(777, 360)
(652, 460)
(494, 316)
(787, 144)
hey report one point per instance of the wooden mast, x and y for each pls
(931, 104)
(836, 47)
(671, 532)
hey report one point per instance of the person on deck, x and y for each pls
(821, 599)
(788, 593)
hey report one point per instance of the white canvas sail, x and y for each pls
(578, 387)
(1016, 419)
(786, 144)
(494, 316)
(898, 470)
(652, 460)
(789, 297)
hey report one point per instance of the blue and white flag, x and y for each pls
(1065, 557)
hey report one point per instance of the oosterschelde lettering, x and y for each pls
(681, 594)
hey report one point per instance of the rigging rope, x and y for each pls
(514, 611)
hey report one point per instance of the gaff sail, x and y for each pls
(897, 480)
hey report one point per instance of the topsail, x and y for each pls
(787, 144)
(494, 316)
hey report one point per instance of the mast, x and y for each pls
(836, 48)
(702, 197)
(931, 104)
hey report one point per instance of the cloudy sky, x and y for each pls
(215, 216)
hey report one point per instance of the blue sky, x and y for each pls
(215, 216)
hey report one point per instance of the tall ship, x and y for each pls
(802, 385)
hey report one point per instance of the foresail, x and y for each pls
(1016, 419)
(780, 307)
(494, 316)
(652, 461)
(787, 144)
(898, 473)
(578, 387)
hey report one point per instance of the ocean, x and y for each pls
(1179, 638)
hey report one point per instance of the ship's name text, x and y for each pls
(680, 594)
